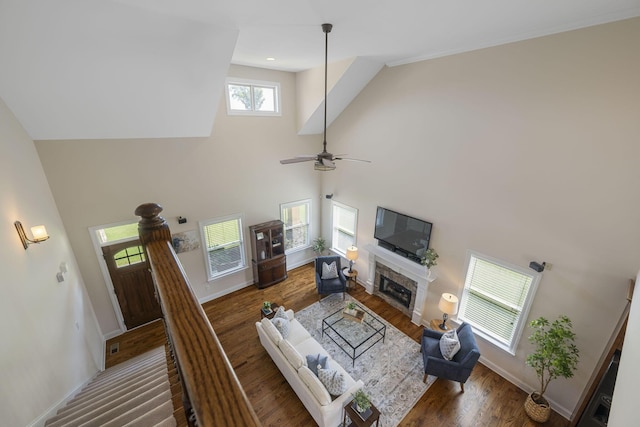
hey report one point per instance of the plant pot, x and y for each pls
(537, 408)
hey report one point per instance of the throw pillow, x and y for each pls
(271, 331)
(449, 344)
(314, 384)
(315, 361)
(282, 325)
(292, 354)
(329, 271)
(281, 314)
(333, 380)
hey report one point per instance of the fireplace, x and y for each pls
(400, 282)
(395, 290)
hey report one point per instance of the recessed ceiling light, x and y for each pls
(271, 58)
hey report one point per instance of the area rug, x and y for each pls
(391, 371)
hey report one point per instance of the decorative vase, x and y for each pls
(537, 408)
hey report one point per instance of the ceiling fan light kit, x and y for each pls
(323, 161)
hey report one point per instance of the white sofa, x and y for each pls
(293, 365)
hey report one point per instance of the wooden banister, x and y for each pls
(214, 396)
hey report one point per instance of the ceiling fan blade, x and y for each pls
(328, 163)
(352, 160)
(297, 160)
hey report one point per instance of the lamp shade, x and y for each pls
(352, 253)
(39, 233)
(448, 303)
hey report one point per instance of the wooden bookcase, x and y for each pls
(267, 253)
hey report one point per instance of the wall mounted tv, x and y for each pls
(402, 234)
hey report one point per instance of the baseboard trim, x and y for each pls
(524, 387)
(53, 410)
(224, 292)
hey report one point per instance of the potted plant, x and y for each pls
(319, 245)
(555, 356)
(266, 307)
(362, 401)
(350, 308)
(429, 258)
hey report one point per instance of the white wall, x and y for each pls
(51, 343)
(524, 152)
(236, 170)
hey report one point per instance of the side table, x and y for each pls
(355, 419)
(351, 277)
(274, 307)
(435, 325)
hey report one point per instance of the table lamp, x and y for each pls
(352, 255)
(448, 305)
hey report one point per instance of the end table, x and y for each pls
(274, 307)
(351, 276)
(435, 325)
(355, 419)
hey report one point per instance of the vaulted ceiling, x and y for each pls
(83, 69)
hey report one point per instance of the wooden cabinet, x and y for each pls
(267, 253)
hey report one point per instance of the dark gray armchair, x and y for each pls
(460, 367)
(330, 286)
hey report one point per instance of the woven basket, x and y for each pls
(539, 412)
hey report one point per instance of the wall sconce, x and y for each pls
(39, 234)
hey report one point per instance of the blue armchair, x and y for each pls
(460, 367)
(330, 286)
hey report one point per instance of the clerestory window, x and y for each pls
(252, 97)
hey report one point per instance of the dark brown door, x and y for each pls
(132, 283)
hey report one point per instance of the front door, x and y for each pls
(132, 283)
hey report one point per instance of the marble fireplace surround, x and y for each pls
(403, 267)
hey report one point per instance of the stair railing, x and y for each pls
(212, 394)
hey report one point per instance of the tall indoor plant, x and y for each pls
(555, 356)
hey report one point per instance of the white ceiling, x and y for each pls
(155, 68)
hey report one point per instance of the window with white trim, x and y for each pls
(252, 97)
(496, 299)
(344, 223)
(223, 245)
(295, 216)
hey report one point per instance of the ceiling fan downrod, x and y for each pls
(326, 28)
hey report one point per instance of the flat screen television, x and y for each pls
(402, 234)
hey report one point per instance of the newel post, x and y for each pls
(152, 226)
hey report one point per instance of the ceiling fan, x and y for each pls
(324, 161)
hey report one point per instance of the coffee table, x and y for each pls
(354, 338)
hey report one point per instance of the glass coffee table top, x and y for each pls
(354, 337)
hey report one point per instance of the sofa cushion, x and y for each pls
(298, 334)
(449, 344)
(292, 354)
(333, 380)
(317, 389)
(271, 331)
(329, 271)
(282, 325)
(316, 360)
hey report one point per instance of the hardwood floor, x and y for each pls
(488, 400)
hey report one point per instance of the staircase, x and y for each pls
(138, 392)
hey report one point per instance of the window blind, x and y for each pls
(495, 298)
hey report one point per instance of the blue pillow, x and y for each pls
(316, 360)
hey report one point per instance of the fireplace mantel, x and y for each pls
(402, 266)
